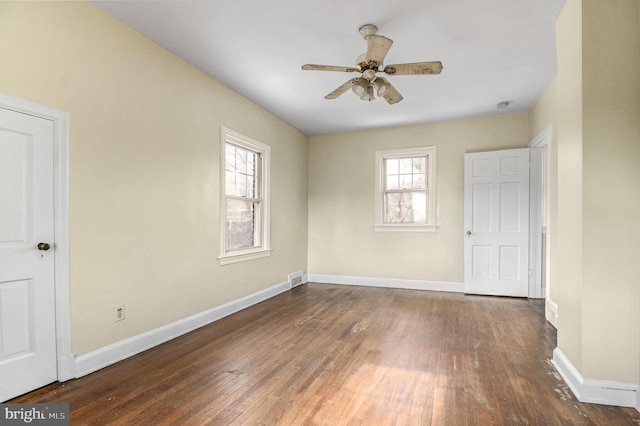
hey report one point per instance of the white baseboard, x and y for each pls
(551, 312)
(595, 391)
(103, 357)
(388, 282)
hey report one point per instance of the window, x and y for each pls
(245, 198)
(406, 190)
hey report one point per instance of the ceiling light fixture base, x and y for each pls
(368, 30)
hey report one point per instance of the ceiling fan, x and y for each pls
(369, 64)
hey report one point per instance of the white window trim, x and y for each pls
(381, 155)
(229, 257)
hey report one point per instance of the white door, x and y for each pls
(496, 221)
(27, 297)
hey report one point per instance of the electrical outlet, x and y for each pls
(118, 313)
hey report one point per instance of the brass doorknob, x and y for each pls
(44, 246)
(468, 232)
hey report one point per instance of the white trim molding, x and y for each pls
(452, 287)
(537, 193)
(541, 138)
(431, 224)
(595, 391)
(108, 355)
(262, 235)
(60, 119)
(551, 312)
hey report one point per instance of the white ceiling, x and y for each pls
(491, 50)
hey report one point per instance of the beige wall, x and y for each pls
(611, 189)
(144, 169)
(342, 240)
(568, 241)
(544, 112)
(595, 231)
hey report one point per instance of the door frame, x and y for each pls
(65, 360)
(536, 192)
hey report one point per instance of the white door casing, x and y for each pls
(57, 171)
(537, 205)
(496, 220)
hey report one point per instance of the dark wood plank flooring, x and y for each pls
(337, 355)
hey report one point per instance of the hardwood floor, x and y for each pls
(336, 355)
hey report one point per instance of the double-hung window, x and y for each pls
(406, 190)
(245, 201)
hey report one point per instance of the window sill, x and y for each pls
(244, 256)
(405, 227)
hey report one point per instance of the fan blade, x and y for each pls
(314, 67)
(377, 48)
(417, 68)
(391, 94)
(340, 90)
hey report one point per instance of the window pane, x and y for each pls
(391, 166)
(392, 182)
(419, 182)
(406, 181)
(396, 208)
(241, 225)
(241, 172)
(241, 160)
(241, 185)
(406, 207)
(406, 165)
(419, 206)
(251, 187)
(252, 160)
(406, 173)
(230, 157)
(229, 182)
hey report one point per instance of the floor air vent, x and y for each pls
(295, 279)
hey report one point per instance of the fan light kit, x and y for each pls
(369, 64)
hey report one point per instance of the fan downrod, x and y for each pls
(368, 30)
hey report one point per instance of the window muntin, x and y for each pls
(405, 190)
(245, 203)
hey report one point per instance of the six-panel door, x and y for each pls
(496, 217)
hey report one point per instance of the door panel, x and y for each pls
(481, 199)
(27, 297)
(496, 222)
(509, 207)
(481, 261)
(15, 319)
